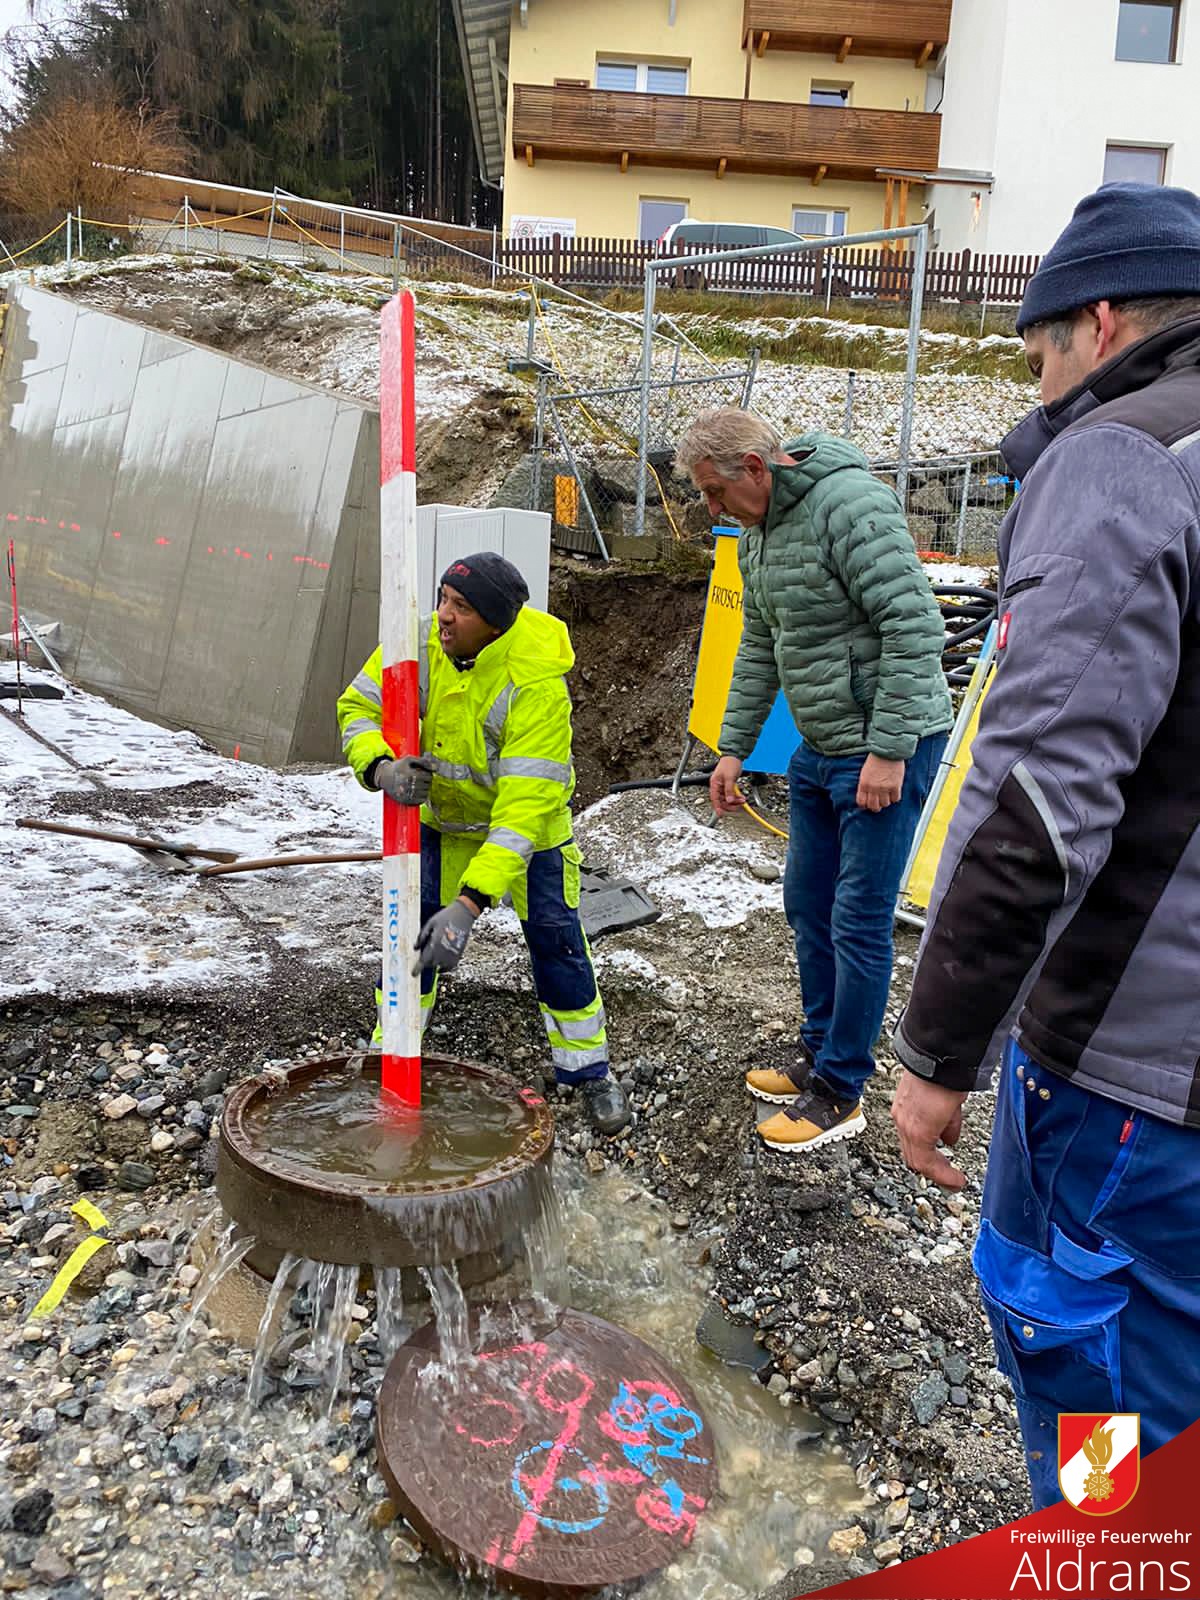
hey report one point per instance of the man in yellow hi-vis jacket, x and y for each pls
(494, 781)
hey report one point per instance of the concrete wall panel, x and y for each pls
(180, 515)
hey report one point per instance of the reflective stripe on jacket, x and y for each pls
(498, 735)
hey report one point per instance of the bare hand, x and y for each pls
(925, 1113)
(879, 783)
(722, 786)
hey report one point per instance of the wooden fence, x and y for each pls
(872, 273)
(960, 275)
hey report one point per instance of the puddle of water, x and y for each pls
(616, 1256)
(339, 1122)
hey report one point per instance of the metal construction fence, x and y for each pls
(180, 211)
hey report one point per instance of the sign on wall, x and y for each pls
(541, 227)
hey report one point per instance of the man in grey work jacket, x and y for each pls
(1065, 922)
(838, 613)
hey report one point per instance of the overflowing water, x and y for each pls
(601, 1246)
(337, 1121)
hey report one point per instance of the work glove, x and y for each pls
(407, 780)
(443, 939)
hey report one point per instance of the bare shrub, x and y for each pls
(85, 151)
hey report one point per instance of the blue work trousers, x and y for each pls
(1088, 1261)
(840, 884)
(563, 977)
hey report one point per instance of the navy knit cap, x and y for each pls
(491, 584)
(1125, 241)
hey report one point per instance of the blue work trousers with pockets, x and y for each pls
(1088, 1261)
(563, 976)
(841, 880)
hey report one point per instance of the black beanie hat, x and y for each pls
(1125, 241)
(491, 584)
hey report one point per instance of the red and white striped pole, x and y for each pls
(399, 621)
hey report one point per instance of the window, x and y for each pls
(1133, 163)
(829, 94)
(819, 224)
(656, 216)
(1147, 30)
(644, 75)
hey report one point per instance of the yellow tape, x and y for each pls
(920, 884)
(91, 1214)
(77, 1260)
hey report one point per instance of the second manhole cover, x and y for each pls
(557, 1463)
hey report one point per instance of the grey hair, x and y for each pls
(725, 436)
(1152, 314)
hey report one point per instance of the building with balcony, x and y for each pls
(616, 118)
(1043, 103)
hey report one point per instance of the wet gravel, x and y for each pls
(851, 1274)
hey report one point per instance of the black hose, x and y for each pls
(691, 780)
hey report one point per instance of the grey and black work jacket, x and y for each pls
(1067, 901)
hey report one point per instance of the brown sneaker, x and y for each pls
(782, 1087)
(811, 1120)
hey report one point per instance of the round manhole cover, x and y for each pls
(557, 1462)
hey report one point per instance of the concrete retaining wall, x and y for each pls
(205, 531)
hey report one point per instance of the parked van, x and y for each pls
(688, 237)
(721, 236)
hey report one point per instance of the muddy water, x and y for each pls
(339, 1122)
(779, 1496)
(615, 1254)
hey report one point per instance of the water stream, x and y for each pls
(602, 1246)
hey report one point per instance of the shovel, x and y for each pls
(181, 852)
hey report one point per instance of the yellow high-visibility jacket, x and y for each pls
(498, 736)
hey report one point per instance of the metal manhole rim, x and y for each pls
(533, 1149)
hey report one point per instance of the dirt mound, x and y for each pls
(635, 634)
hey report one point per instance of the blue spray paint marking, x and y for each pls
(670, 1421)
(572, 1485)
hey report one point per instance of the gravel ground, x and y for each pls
(853, 1274)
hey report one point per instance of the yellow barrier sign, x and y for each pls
(714, 668)
(920, 883)
(718, 645)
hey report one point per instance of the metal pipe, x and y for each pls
(270, 227)
(962, 511)
(68, 238)
(648, 293)
(35, 639)
(920, 252)
(539, 442)
(751, 374)
(848, 424)
(531, 328)
(689, 745)
(342, 243)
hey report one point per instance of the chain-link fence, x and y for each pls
(584, 464)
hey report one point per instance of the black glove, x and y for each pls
(443, 939)
(407, 780)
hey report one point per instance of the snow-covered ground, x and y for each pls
(322, 327)
(80, 915)
(84, 916)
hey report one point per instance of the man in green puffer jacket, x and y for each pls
(837, 612)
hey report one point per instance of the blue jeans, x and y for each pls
(1088, 1261)
(839, 895)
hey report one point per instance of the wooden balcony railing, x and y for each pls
(667, 130)
(896, 28)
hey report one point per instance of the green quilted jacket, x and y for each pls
(837, 612)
